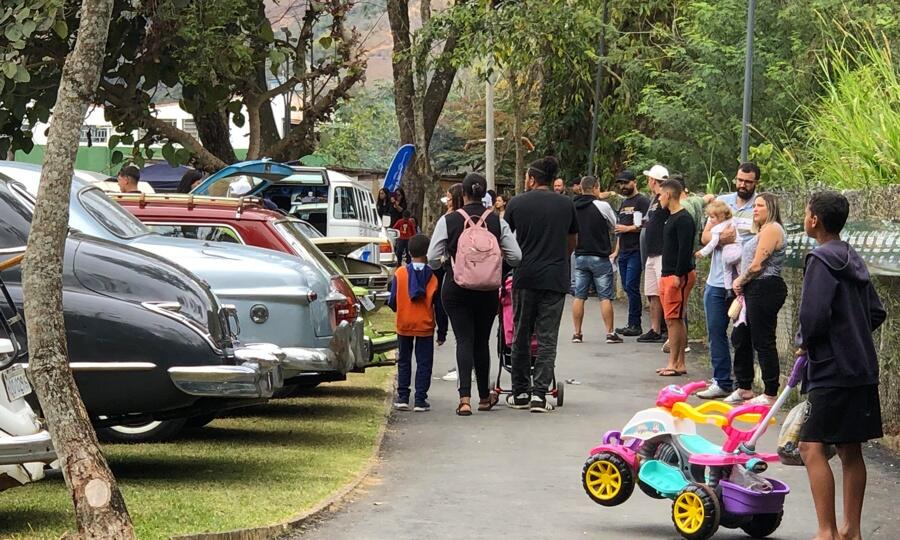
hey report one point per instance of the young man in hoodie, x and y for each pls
(593, 257)
(414, 290)
(839, 310)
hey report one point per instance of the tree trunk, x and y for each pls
(516, 95)
(214, 134)
(253, 126)
(100, 510)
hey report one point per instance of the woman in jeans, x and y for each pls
(471, 312)
(764, 293)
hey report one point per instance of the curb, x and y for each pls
(322, 509)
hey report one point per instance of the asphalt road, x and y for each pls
(513, 474)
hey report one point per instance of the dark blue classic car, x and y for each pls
(147, 340)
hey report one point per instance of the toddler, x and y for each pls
(414, 291)
(720, 215)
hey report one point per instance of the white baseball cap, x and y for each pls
(657, 172)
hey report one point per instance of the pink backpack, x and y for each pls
(478, 264)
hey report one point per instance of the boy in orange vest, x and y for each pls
(414, 291)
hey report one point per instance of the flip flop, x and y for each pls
(669, 372)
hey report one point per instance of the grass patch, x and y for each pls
(384, 320)
(258, 466)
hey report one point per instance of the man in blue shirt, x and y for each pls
(716, 298)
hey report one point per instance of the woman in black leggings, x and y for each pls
(471, 312)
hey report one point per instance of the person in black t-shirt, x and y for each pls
(678, 275)
(628, 247)
(546, 229)
(653, 227)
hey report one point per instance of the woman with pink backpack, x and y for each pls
(471, 244)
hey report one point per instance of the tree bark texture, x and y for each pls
(214, 134)
(100, 510)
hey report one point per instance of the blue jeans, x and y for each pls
(424, 360)
(714, 303)
(630, 270)
(597, 270)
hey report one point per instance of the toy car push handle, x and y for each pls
(795, 378)
(672, 394)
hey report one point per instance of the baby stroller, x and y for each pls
(504, 345)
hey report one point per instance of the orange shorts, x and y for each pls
(673, 296)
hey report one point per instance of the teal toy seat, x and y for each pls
(695, 444)
(664, 478)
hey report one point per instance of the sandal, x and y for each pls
(489, 402)
(659, 370)
(463, 409)
(669, 372)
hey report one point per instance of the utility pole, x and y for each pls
(598, 87)
(489, 114)
(748, 80)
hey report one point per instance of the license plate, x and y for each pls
(16, 383)
(366, 303)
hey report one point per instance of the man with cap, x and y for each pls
(628, 246)
(653, 225)
(128, 179)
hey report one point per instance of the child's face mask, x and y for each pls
(419, 266)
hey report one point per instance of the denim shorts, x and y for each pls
(599, 270)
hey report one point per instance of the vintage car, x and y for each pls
(304, 307)
(147, 340)
(335, 204)
(25, 446)
(246, 221)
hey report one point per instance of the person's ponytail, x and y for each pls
(474, 186)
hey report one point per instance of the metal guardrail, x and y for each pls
(876, 241)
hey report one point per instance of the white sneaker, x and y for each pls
(735, 398)
(400, 406)
(713, 391)
(451, 375)
(761, 399)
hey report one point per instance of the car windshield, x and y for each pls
(113, 217)
(307, 229)
(233, 186)
(295, 236)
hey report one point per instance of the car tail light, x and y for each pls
(385, 247)
(342, 301)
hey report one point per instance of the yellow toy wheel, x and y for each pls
(696, 512)
(607, 479)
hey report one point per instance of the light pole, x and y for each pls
(598, 86)
(748, 80)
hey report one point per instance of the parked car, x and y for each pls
(333, 203)
(305, 308)
(147, 340)
(246, 221)
(25, 446)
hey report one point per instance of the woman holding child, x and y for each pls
(764, 294)
(471, 312)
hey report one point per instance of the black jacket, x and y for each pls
(839, 310)
(594, 230)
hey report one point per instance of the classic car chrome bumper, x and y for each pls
(258, 375)
(348, 350)
(19, 449)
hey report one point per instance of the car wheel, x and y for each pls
(155, 431)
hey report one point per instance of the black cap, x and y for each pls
(624, 177)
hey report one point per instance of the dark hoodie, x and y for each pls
(593, 228)
(839, 310)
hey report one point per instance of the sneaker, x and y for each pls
(762, 399)
(517, 402)
(713, 391)
(539, 405)
(451, 375)
(650, 337)
(629, 331)
(422, 406)
(735, 398)
(577, 338)
(401, 406)
(613, 338)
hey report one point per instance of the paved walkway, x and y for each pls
(512, 474)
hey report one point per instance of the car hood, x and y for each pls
(342, 245)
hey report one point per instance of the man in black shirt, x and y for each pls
(628, 247)
(653, 226)
(678, 275)
(546, 229)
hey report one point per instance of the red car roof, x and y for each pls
(161, 204)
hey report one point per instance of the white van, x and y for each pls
(333, 203)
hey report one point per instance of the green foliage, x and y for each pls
(364, 132)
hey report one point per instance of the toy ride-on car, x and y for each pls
(710, 485)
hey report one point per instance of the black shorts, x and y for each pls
(843, 415)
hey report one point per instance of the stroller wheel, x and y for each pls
(560, 392)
